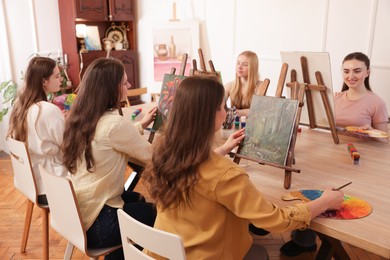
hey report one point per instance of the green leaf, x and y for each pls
(4, 84)
(10, 93)
(3, 113)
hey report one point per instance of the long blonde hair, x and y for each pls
(239, 100)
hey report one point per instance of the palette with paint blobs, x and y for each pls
(351, 208)
(375, 133)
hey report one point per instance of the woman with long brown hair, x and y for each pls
(97, 145)
(37, 122)
(204, 197)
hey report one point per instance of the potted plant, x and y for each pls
(8, 90)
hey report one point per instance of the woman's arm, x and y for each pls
(228, 88)
(233, 140)
(330, 199)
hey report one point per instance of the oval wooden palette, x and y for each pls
(352, 207)
(375, 133)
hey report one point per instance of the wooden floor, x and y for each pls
(12, 210)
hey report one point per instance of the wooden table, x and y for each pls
(324, 163)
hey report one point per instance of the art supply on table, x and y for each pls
(343, 186)
(237, 122)
(351, 208)
(354, 153)
(243, 121)
(231, 114)
(136, 113)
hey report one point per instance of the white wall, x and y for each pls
(268, 27)
(227, 27)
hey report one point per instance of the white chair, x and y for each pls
(24, 181)
(157, 241)
(65, 215)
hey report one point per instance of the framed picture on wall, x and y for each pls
(170, 41)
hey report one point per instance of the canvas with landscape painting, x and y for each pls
(269, 129)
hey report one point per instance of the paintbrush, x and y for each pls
(343, 186)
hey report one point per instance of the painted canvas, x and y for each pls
(269, 129)
(167, 94)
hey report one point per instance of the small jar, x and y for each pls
(243, 121)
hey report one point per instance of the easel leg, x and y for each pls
(287, 179)
(309, 99)
(327, 106)
(151, 137)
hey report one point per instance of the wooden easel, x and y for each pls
(203, 71)
(288, 168)
(299, 91)
(173, 70)
(309, 100)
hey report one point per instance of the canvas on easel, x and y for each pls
(307, 68)
(269, 129)
(167, 94)
(318, 61)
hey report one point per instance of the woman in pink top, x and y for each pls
(357, 105)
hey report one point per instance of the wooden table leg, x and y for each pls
(331, 247)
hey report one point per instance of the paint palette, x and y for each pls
(369, 132)
(351, 208)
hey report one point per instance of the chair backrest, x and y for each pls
(64, 211)
(24, 179)
(157, 241)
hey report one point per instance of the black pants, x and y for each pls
(105, 231)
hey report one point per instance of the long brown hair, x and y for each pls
(360, 57)
(99, 91)
(186, 142)
(244, 101)
(38, 70)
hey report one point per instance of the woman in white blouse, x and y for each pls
(37, 122)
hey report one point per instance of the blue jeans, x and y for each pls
(105, 232)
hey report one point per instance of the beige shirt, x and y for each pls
(115, 139)
(223, 204)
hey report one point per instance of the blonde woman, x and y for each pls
(244, 86)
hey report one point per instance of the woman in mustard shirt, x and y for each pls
(205, 198)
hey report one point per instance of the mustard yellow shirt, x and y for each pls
(115, 139)
(215, 225)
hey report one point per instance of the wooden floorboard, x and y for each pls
(12, 212)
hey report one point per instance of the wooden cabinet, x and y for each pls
(103, 10)
(100, 13)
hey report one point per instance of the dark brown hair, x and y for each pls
(186, 142)
(360, 57)
(99, 91)
(38, 70)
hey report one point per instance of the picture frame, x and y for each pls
(92, 39)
